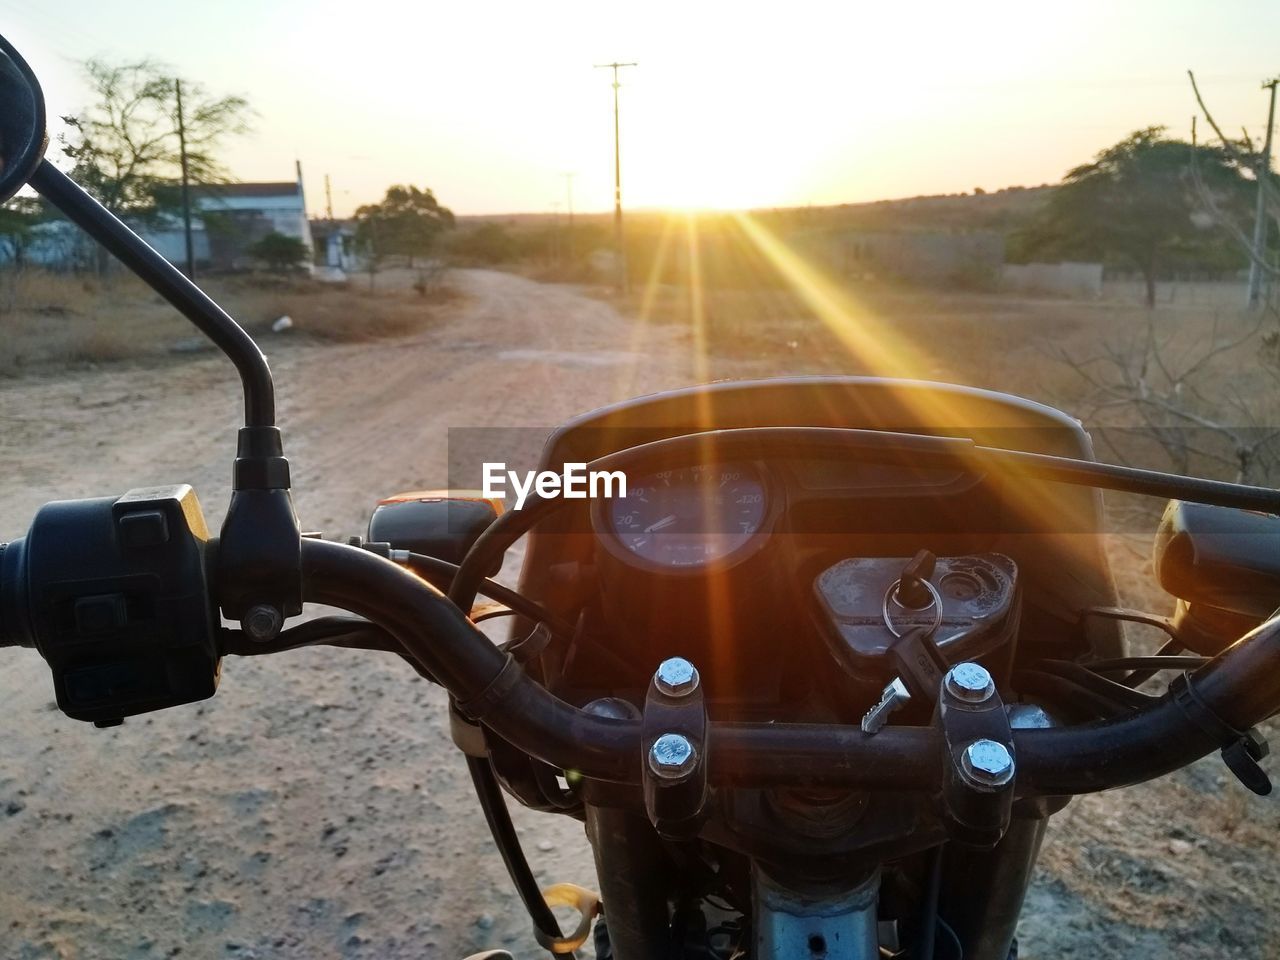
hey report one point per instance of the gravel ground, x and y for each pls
(316, 808)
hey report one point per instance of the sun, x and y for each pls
(693, 190)
(693, 164)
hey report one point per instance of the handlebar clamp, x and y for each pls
(978, 766)
(674, 742)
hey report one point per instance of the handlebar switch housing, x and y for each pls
(979, 764)
(113, 592)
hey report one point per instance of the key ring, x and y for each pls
(892, 592)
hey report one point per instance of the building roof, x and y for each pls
(281, 188)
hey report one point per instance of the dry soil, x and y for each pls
(316, 808)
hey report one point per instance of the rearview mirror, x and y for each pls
(1223, 565)
(1220, 557)
(22, 127)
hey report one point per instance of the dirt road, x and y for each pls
(316, 808)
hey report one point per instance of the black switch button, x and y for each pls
(143, 528)
(101, 614)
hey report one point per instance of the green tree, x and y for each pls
(488, 243)
(407, 222)
(1138, 205)
(124, 144)
(279, 252)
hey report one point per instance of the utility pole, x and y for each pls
(186, 187)
(568, 199)
(617, 176)
(1257, 261)
(555, 232)
(328, 199)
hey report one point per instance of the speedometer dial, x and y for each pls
(691, 516)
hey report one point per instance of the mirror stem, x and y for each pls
(167, 280)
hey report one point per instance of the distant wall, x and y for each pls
(1218, 295)
(171, 243)
(1060, 279)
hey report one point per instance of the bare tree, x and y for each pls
(1188, 398)
(125, 142)
(1246, 156)
(1207, 401)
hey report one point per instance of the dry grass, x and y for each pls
(49, 320)
(353, 316)
(1000, 342)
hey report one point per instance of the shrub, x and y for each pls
(280, 253)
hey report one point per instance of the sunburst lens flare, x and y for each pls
(878, 350)
(642, 330)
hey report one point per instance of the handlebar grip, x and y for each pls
(13, 595)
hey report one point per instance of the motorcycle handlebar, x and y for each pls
(1240, 687)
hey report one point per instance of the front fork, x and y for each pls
(833, 924)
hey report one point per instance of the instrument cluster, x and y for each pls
(689, 519)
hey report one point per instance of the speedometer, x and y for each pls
(689, 517)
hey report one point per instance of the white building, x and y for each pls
(229, 218)
(226, 220)
(335, 246)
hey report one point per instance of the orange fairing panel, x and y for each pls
(426, 496)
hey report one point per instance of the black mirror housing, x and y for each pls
(1221, 558)
(23, 135)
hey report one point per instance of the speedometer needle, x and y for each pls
(661, 524)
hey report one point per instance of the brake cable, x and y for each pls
(442, 573)
(494, 806)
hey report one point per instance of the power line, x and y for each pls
(617, 177)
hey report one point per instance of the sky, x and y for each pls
(733, 104)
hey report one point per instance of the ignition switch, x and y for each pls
(968, 606)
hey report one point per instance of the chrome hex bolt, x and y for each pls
(969, 682)
(676, 677)
(262, 623)
(987, 763)
(672, 756)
